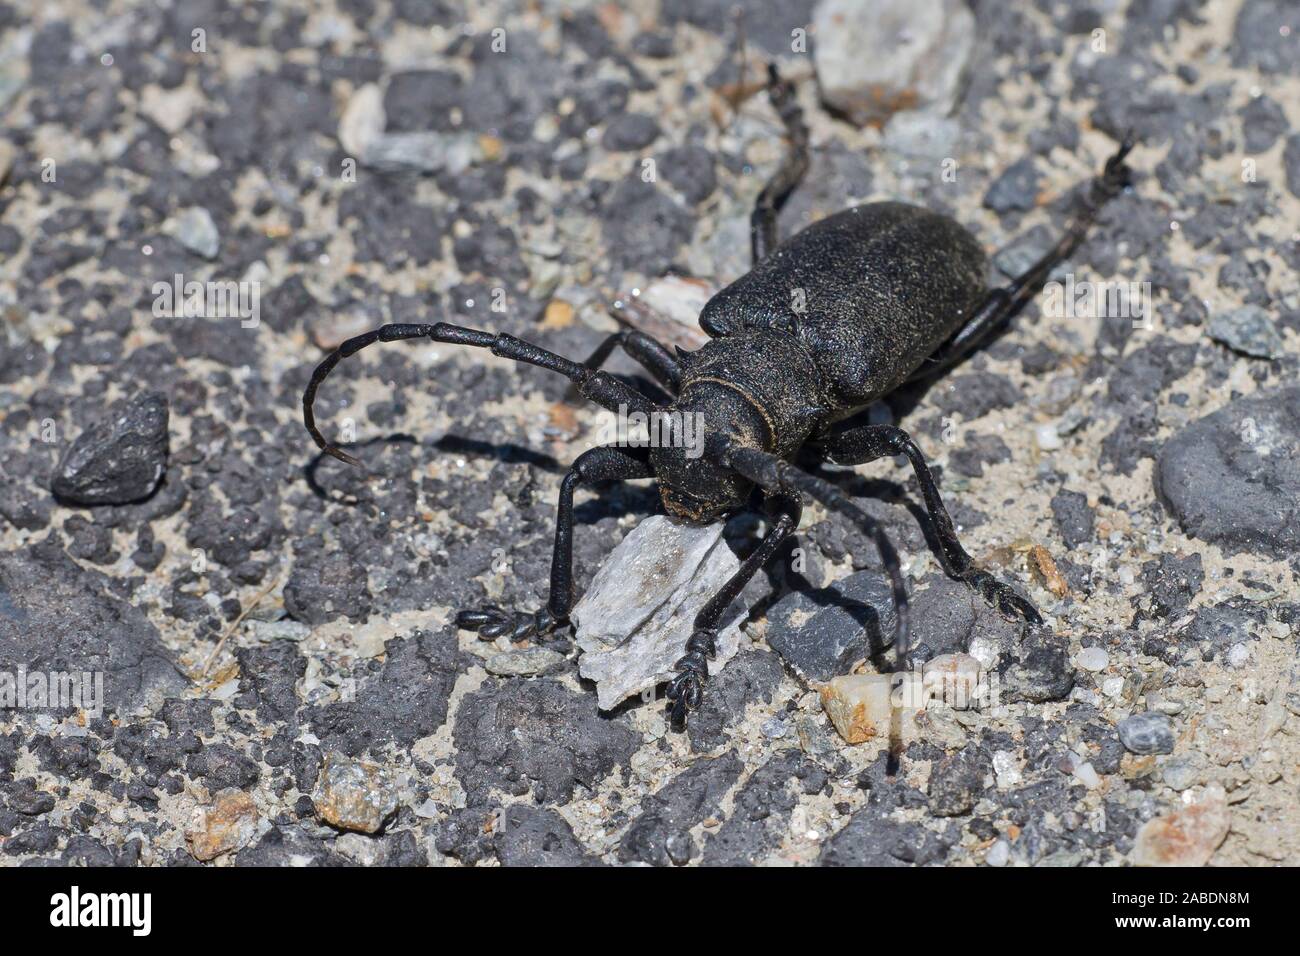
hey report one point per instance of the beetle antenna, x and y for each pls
(774, 474)
(596, 386)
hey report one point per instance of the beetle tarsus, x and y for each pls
(1001, 596)
(493, 622)
(686, 690)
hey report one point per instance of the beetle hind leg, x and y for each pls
(1001, 305)
(762, 222)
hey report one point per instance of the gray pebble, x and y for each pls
(1248, 330)
(1147, 733)
(1017, 188)
(120, 458)
(523, 663)
(1233, 477)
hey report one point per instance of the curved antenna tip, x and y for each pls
(335, 452)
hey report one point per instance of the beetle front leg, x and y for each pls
(648, 352)
(686, 690)
(606, 463)
(858, 446)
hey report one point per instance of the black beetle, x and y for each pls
(838, 316)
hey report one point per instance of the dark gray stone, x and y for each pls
(688, 799)
(1221, 626)
(520, 735)
(749, 677)
(1073, 517)
(947, 615)
(1262, 122)
(874, 838)
(406, 700)
(1042, 672)
(419, 100)
(323, 586)
(120, 458)
(285, 846)
(221, 766)
(821, 633)
(1147, 733)
(690, 171)
(57, 616)
(975, 394)
(1291, 162)
(465, 833)
(22, 507)
(1170, 583)
(643, 227)
(1258, 40)
(1248, 330)
(629, 132)
(271, 674)
(761, 810)
(535, 836)
(1233, 477)
(957, 781)
(768, 23)
(979, 450)
(1016, 188)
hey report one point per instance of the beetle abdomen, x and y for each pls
(872, 290)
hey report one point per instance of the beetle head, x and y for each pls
(687, 452)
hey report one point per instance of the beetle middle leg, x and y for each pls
(857, 446)
(1000, 305)
(606, 463)
(686, 690)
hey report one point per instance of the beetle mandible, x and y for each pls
(890, 293)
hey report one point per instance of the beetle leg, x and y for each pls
(777, 476)
(762, 222)
(1000, 305)
(606, 463)
(652, 355)
(686, 690)
(858, 446)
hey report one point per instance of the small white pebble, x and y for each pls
(998, 855)
(1047, 437)
(1238, 655)
(1006, 768)
(1087, 776)
(1112, 686)
(1092, 659)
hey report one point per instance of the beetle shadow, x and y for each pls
(879, 489)
(616, 499)
(507, 452)
(356, 450)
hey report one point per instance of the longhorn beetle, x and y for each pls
(891, 293)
